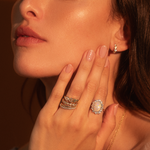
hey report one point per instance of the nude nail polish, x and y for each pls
(103, 51)
(90, 55)
(115, 109)
(68, 68)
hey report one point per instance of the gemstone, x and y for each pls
(97, 106)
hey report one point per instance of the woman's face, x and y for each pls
(66, 28)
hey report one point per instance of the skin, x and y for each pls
(70, 29)
(72, 24)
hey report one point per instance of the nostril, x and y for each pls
(31, 14)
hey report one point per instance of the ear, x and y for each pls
(120, 36)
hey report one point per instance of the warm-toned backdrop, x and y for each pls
(15, 123)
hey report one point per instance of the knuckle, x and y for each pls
(85, 67)
(105, 73)
(91, 86)
(98, 64)
(56, 94)
(42, 120)
(102, 91)
(63, 78)
(94, 127)
(58, 125)
(76, 89)
(57, 122)
(76, 124)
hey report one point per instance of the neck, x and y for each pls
(114, 64)
(49, 83)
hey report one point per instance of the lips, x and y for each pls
(27, 37)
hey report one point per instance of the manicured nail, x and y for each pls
(115, 109)
(90, 55)
(106, 63)
(103, 51)
(68, 68)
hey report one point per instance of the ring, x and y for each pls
(71, 100)
(66, 107)
(97, 106)
(68, 103)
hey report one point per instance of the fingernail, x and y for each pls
(103, 51)
(106, 63)
(115, 109)
(90, 55)
(68, 68)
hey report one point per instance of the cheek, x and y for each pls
(44, 60)
(70, 30)
(74, 30)
(79, 27)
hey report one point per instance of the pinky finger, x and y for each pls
(59, 89)
(108, 125)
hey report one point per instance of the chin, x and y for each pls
(35, 71)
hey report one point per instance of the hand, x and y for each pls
(78, 129)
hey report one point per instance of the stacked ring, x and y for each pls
(68, 103)
(97, 106)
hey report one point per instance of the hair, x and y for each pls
(132, 85)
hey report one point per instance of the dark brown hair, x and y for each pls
(132, 86)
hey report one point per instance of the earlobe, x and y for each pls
(120, 39)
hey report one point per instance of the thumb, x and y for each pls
(108, 125)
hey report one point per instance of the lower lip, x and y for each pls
(28, 41)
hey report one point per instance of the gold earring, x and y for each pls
(115, 49)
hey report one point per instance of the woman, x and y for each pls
(108, 43)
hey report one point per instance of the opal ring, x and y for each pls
(97, 106)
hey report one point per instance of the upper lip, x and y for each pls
(26, 31)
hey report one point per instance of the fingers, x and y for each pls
(59, 88)
(98, 74)
(108, 125)
(79, 81)
(102, 90)
(89, 83)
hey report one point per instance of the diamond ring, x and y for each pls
(68, 103)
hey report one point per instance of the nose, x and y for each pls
(31, 9)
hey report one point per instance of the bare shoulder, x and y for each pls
(25, 147)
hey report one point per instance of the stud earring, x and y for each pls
(115, 49)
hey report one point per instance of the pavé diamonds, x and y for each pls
(71, 100)
(68, 103)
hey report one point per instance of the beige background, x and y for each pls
(15, 123)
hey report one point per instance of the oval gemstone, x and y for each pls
(97, 106)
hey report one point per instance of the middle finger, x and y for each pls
(78, 84)
(93, 80)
